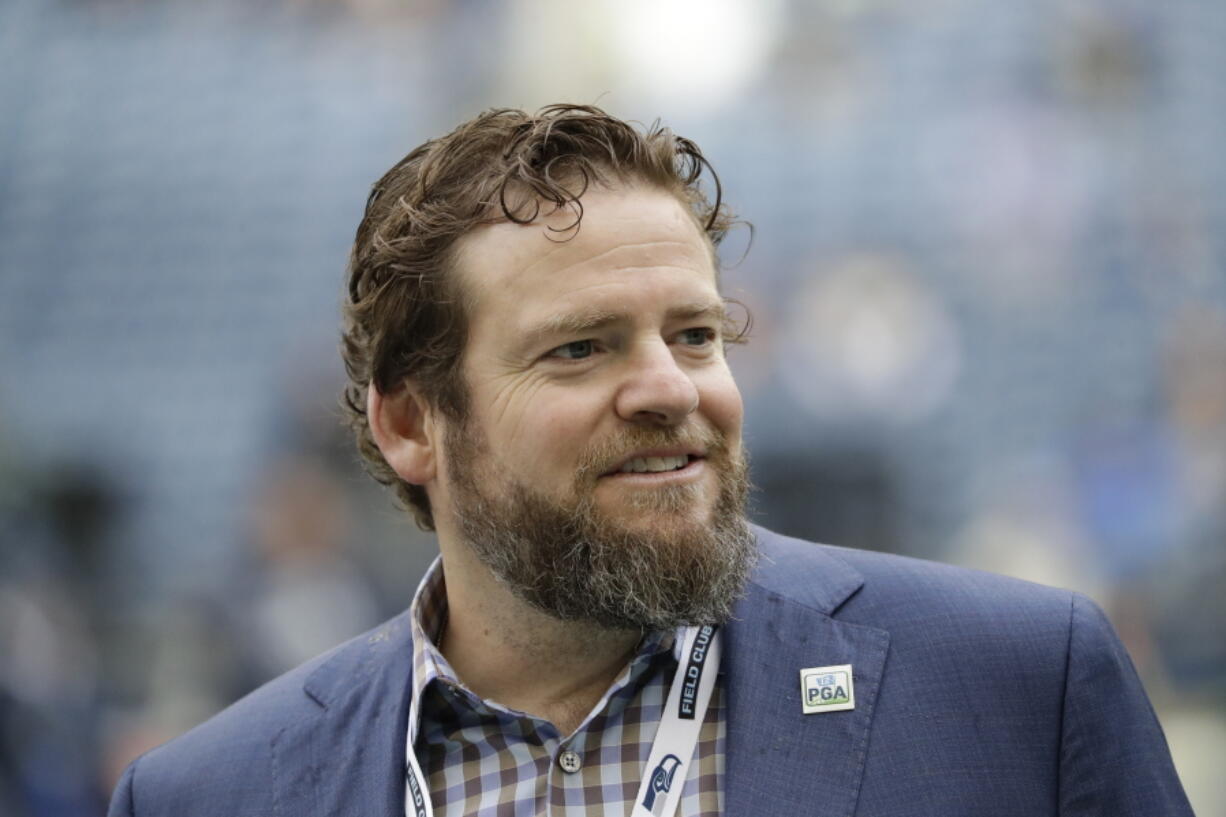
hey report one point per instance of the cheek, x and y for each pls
(557, 427)
(720, 402)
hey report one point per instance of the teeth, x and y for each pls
(641, 465)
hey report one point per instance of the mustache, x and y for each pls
(606, 455)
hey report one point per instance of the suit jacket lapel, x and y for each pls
(780, 761)
(350, 758)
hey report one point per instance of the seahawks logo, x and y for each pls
(661, 779)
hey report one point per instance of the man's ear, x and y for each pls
(402, 423)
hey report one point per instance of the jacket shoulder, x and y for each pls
(892, 590)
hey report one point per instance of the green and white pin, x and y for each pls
(827, 689)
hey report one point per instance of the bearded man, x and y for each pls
(535, 340)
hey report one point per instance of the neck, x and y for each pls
(505, 650)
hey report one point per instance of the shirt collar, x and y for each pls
(428, 616)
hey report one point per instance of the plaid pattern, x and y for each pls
(483, 759)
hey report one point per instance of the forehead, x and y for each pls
(628, 237)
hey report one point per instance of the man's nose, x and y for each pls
(656, 390)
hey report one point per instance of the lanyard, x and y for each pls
(669, 760)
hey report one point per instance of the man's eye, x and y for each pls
(698, 336)
(575, 350)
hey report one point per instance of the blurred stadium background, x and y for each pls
(988, 278)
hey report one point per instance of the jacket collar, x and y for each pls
(809, 574)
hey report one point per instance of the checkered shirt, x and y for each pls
(481, 758)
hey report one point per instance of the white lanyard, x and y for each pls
(669, 761)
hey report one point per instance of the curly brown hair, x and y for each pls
(404, 317)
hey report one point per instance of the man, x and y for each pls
(535, 341)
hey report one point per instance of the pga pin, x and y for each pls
(827, 689)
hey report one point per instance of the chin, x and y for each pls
(652, 519)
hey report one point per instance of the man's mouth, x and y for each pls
(659, 461)
(654, 465)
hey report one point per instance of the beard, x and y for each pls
(571, 560)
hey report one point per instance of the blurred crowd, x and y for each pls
(987, 274)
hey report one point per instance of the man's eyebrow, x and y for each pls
(573, 323)
(576, 323)
(712, 310)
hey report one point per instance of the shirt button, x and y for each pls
(570, 761)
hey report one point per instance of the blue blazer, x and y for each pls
(974, 695)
